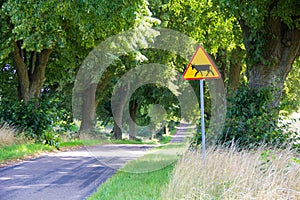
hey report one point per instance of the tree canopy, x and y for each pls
(44, 44)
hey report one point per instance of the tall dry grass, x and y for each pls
(230, 174)
(8, 136)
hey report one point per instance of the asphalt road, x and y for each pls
(66, 175)
(70, 175)
(182, 132)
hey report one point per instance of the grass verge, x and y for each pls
(23, 151)
(15, 152)
(231, 174)
(141, 186)
(141, 179)
(8, 136)
(125, 141)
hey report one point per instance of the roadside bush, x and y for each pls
(250, 121)
(51, 138)
(35, 118)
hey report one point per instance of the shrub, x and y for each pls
(51, 138)
(36, 118)
(250, 120)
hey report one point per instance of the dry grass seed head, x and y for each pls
(231, 174)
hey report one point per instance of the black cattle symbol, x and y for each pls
(202, 68)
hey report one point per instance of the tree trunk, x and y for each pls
(152, 132)
(166, 129)
(88, 113)
(37, 72)
(119, 103)
(22, 72)
(221, 62)
(117, 131)
(280, 49)
(235, 69)
(132, 124)
(31, 74)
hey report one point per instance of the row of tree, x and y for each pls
(43, 44)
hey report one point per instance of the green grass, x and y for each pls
(76, 143)
(141, 179)
(126, 141)
(142, 186)
(91, 142)
(22, 150)
(165, 139)
(19, 151)
(155, 159)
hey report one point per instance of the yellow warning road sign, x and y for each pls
(201, 66)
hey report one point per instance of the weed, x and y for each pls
(231, 174)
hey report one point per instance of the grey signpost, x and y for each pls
(201, 67)
(202, 121)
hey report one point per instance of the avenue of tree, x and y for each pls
(255, 44)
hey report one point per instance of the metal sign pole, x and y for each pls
(202, 120)
(200, 63)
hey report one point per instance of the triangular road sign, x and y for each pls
(201, 66)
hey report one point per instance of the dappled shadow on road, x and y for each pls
(116, 155)
(76, 174)
(66, 175)
(184, 130)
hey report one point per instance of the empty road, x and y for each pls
(66, 175)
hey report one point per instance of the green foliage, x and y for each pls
(165, 139)
(257, 18)
(204, 21)
(8, 82)
(290, 98)
(37, 118)
(267, 156)
(250, 121)
(51, 138)
(295, 160)
(50, 24)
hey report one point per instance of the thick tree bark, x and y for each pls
(91, 98)
(88, 117)
(132, 125)
(221, 62)
(119, 104)
(281, 48)
(37, 72)
(235, 69)
(166, 129)
(117, 131)
(22, 72)
(31, 75)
